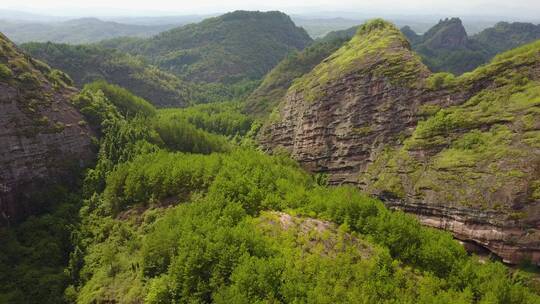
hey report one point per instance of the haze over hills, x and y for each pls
(37, 27)
(76, 31)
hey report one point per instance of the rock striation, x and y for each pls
(462, 153)
(42, 137)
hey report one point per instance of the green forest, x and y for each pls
(181, 207)
(219, 154)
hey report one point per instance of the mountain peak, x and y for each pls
(378, 48)
(449, 33)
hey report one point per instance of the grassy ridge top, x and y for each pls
(378, 48)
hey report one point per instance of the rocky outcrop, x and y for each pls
(447, 48)
(447, 34)
(42, 137)
(461, 153)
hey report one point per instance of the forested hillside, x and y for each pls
(505, 36)
(235, 160)
(87, 63)
(229, 48)
(218, 59)
(275, 84)
(159, 225)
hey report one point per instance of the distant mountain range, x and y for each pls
(229, 48)
(85, 30)
(27, 27)
(219, 58)
(446, 47)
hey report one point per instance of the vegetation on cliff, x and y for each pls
(489, 141)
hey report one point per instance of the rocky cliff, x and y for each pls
(42, 137)
(461, 153)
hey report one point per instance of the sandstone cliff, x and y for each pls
(42, 137)
(461, 153)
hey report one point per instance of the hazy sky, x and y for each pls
(515, 8)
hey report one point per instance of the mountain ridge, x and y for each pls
(232, 47)
(352, 125)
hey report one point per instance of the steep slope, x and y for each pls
(43, 137)
(462, 153)
(87, 63)
(505, 36)
(84, 30)
(275, 84)
(235, 46)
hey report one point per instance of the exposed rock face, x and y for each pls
(461, 153)
(42, 137)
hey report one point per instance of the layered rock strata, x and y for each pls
(461, 153)
(42, 137)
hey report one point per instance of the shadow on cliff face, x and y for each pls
(41, 195)
(482, 252)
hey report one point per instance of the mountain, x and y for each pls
(275, 84)
(505, 36)
(446, 47)
(229, 48)
(87, 63)
(461, 153)
(76, 31)
(45, 140)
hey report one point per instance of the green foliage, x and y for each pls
(220, 118)
(34, 254)
(221, 246)
(376, 40)
(440, 81)
(480, 150)
(5, 72)
(229, 48)
(275, 84)
(447, 48)
(60, 78)
(506, 36)
(180, 135)
(88, 63)
(95, 107)
(128, 104)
